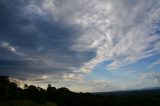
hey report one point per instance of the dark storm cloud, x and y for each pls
(44, 42)
(27, 29)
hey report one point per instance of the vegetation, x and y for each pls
(12, 95)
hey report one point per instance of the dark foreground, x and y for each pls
(12, 95)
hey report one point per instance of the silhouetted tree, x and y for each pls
(12, 95)
(51, 92)
(25, 86)
(4, 86)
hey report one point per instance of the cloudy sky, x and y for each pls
(84, 45)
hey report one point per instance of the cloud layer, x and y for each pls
(122, 32)
(119, 31)
(43, 39)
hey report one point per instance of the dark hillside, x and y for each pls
(12, 95)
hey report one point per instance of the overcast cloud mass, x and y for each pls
(85, 45)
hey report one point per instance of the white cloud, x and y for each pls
(154, 64)
(151, 77)
(45, 77)
(73, 77)
(124, 40)
(15, 51)
(119, 31)
(39, 78)
(119, 35)
(79, 83)
(103, 85)
(7, 46)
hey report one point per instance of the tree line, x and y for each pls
(30, 95)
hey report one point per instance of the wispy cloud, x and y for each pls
(125, 43)
(7, 46)
(73, 77)
(154, 64)
(42, 78)
(121, 32)
(117, 31)
(10, 48)
(152, 76)
(80, 81)
(68, 38)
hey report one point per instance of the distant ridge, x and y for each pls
(149, 91)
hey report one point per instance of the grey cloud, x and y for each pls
(62, 37)
(151, 78)
(29, 29)
(151, 75)
(118, 31)
(111, 29)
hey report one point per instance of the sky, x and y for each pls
(84, 45)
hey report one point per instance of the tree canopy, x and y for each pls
(30, 95)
